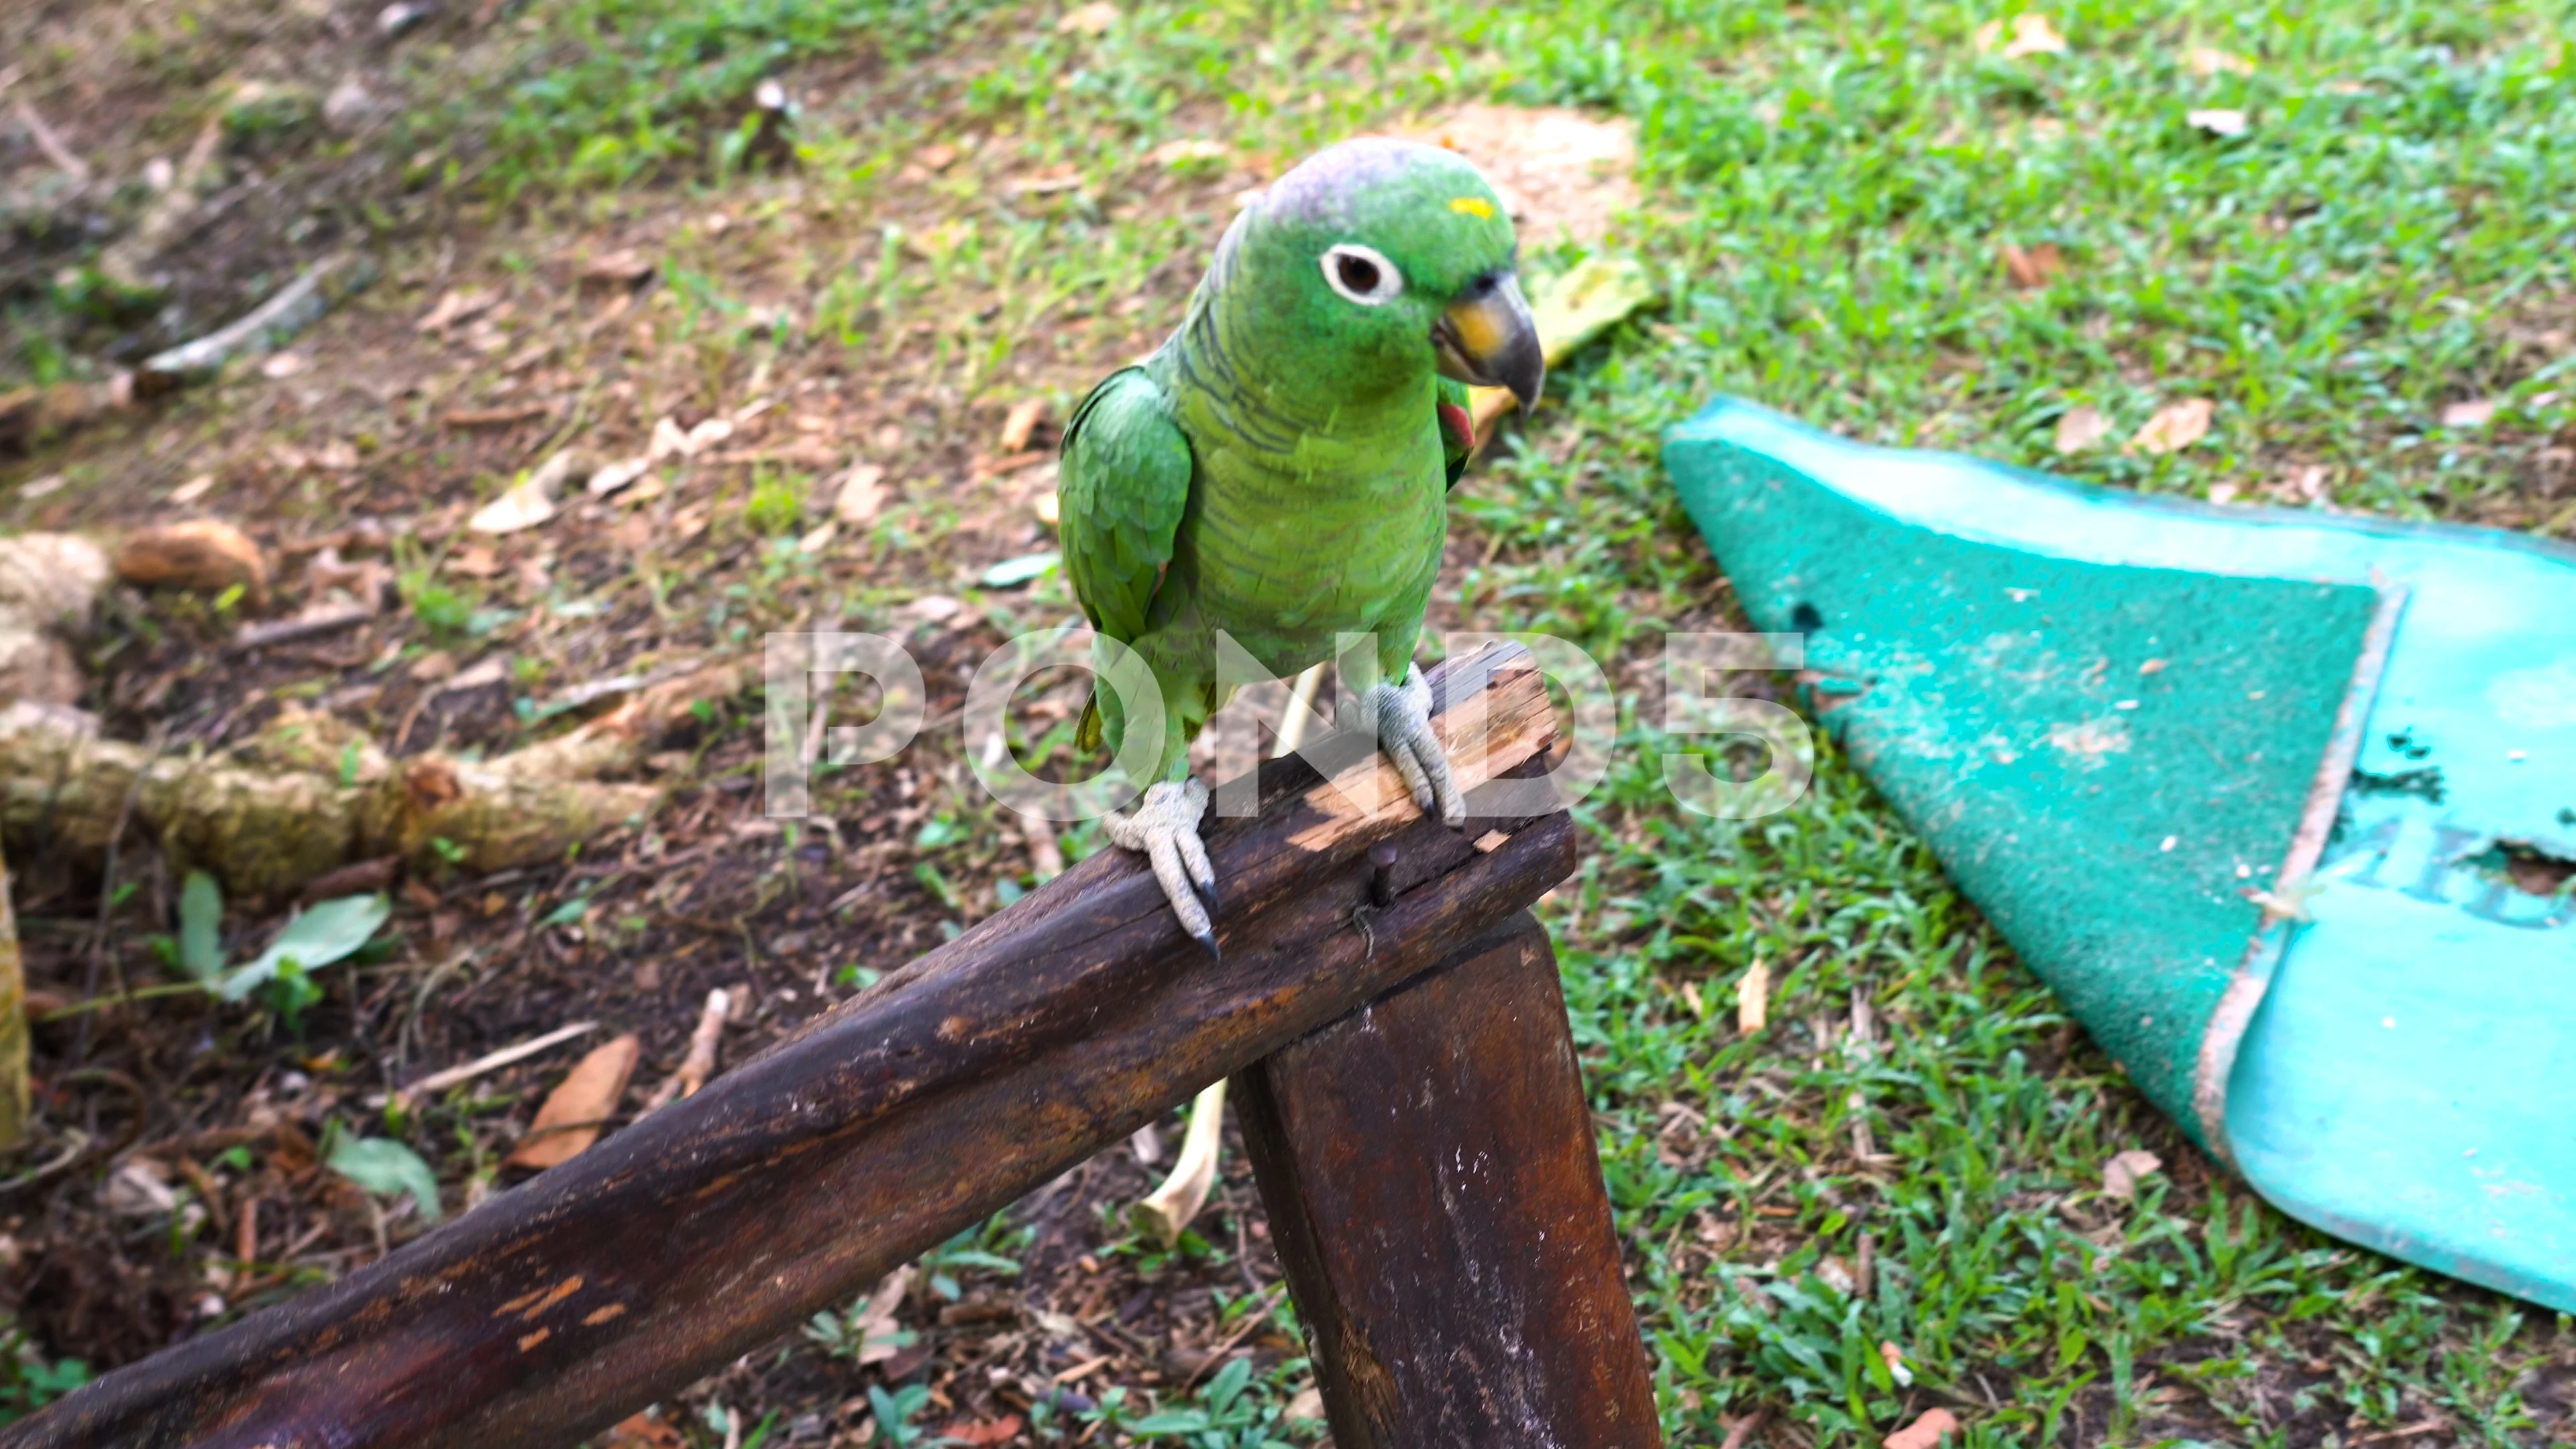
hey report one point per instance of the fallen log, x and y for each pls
(956, 1085)
(312, 794)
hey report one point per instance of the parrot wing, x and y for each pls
(1123, 480)
(1122, 483)
(1457, 428)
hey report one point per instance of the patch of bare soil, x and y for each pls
(180, 1183)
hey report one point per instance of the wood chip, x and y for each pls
(579, 1107)
(1753, 999)
(1022, 422)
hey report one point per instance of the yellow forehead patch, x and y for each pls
(1473, 206)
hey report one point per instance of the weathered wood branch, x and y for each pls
(312, 793)
(786, 1186)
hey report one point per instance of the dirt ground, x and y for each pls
(479, 348)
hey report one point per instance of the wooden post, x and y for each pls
(1435, 1195)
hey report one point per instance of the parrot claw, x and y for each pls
(1404, 732)
(1166, 828)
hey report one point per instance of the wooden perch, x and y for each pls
(793, 1182)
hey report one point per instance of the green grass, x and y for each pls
(1827, 187)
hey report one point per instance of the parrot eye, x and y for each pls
(1363, 274)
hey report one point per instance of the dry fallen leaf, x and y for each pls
(1091, 19)
(574, 1111)
(194, 489)
(614, 476)
(203, 555)
(1753, 998)
(625, 267)
(861, 494)
(528, 502)
(1924, 1432)
(283, 365)
(2035, 267)
(2217, 122)
(706, 435)
(2205, 61)
(2122, 1174)
(2033, 35)
(1001, 1431)
(643, 1431)
(1022, 422)
(669, 441)
(2223, 492)
(874, 1323)
(2079, 428)
(474, 561)
(938, 156)
(819, 537)
(2473, 413)
(454, 306)
(2306, 485)
(2175, 426)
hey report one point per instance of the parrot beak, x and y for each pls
(1486, 337)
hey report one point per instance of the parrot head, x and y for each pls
(1382, 259)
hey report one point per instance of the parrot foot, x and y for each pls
(1166, 828)
(1404, 732)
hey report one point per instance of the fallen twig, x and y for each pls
(124, 260)
(311, 625)
(1253, 1318)
(491, 1062)
(296, 306)
(50, 141)
(700, 1062)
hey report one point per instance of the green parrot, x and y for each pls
(1279, 469)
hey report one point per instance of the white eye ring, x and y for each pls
(1362, 274)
